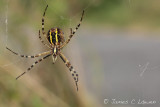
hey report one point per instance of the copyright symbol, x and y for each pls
(106, 101)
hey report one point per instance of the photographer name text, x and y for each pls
(133, 101)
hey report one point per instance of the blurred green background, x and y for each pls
(48, 85)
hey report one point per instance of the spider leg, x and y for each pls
(33, 56)
(43, 32)
(74, 31)
(33, 65)
(68, 64)
(71, 30)
(42, 40)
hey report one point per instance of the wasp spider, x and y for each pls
(56, 43)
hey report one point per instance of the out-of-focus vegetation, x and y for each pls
(51, 85)
(126, 12)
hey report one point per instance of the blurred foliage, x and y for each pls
(121, 13)
(124, 13)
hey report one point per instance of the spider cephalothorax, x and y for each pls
(56, 43)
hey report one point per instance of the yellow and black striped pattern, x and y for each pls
(55, 36)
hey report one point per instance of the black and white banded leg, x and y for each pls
(72, 71)
(43, 32)
(74, 31)
(42, 40)
(33, 65)
(32, 56)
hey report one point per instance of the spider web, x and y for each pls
(5, 23)
(70, 20)
(4, 32)
(7, 39)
